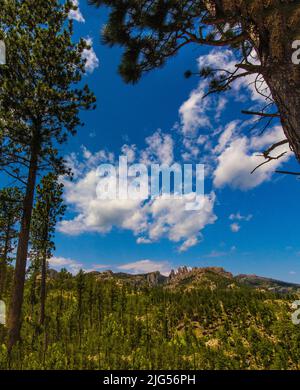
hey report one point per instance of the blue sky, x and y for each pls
(250, 223)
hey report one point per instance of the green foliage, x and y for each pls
(39, 100)
(112, 324)
(10, 212)
(48, 210)
(153, 31)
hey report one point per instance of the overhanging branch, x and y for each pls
(260, 114)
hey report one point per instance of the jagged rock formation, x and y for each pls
(191, 277)
(188, 278)
(155, 278)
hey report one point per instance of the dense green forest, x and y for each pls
(107, 321)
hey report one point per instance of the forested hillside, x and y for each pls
(198, 319)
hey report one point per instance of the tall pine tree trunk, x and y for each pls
(14, 317)
(3, 262)
(44, 266)
(32, 292)
(43, 288)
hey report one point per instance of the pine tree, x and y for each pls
(39, 107)
(48, 210)
(80, 284)
(152, 31)
(10, 207)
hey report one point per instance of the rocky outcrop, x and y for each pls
(193, 275)
(187, 278)
(155, 278)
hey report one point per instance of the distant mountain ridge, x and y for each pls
(267, 283)
(186, 277)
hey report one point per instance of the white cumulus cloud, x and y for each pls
(149, 220)
(75, 13)
(62, 262)
(146, 266)
(92, 61)
(160, 149)
(241, 156)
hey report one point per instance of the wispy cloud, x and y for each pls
(217, 253)
(192, 241)
(92, 61)
(75, 13)
(145, 266)
(62, 262)
(239, 217)
(74, 266)
(137, 267)
(235, 227)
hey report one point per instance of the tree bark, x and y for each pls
(44, 265)
(32, 293)
(284, 84)
(14, 317)
(272, 26)
(43, 289)
(3, 263)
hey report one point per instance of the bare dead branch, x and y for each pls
(260, 114)
(225, 42)
(288, 173)
(269, 159)
(274, 146)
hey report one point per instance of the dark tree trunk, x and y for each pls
(272, 26)
(14, 317)
(43, 289)
(284, 83)
(3, 263)
(44, 265)
(32, 293)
